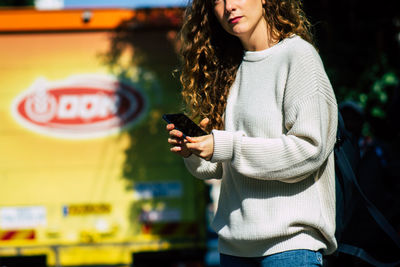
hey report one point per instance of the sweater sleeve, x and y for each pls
(310, 119)
(203, 169)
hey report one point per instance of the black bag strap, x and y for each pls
(348, 174)
(362, 254)
(372, 209)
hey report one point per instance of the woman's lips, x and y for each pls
(235, 20)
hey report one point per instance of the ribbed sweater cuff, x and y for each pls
(223, 146)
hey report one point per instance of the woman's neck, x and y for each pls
(260, 39)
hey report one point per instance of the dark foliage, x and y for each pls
(16, 2)
(359, 42)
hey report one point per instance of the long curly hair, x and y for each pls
(211, 56)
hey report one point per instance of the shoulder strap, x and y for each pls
(362, 254)
(344, 164)
(376, 214)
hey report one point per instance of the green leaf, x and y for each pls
(390, 79)
(377, 112)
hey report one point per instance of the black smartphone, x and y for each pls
(184, 124)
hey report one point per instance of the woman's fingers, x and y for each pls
(176, 133)
(173, 132)
(190, 139)
(181, 150)
(176, 149)
(177, 141)
(204, 122)
(203, 146)
(170, 127)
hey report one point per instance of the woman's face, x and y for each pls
(241, 18)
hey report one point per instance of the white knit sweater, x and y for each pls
(275, 155)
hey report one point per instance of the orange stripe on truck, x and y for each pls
(17, 235)
(28, 20)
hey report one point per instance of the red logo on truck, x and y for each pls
(79, 107)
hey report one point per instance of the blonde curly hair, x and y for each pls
(210, 65)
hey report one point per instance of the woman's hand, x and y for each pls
(177, 142)
(202, 146)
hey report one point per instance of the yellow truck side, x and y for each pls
(86, 176)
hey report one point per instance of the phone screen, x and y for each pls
(184, 124)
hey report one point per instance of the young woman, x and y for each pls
(253, 77)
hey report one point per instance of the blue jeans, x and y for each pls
(292, 258)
